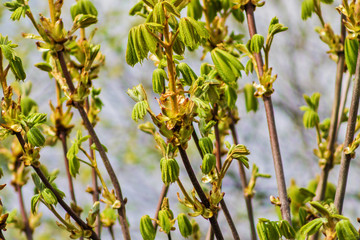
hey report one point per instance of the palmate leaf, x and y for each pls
(227, 65)
(192, 32)
(140, 42)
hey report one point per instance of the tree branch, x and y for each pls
(92, 133)
(274, 142)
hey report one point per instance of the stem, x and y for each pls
(62, 137)
(96, 193)
(28, 231)
(346, 158)
(321, 188)
(169, 236)
(1, 236)
(274, 142)
(47, 184)
(217, 140)
(111, 231)
(229, 220)
(244, 183)
(200, 192)
(344, 98)
(163, 193)
(92, 133)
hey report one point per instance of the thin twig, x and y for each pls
(200, 192)
(28, 231)
(163, 193)
(344, 98)
(321, 188)
(47, 184)
(62, 137)
(107, 164)
(244, 183)
(346, 158)
(274, 142)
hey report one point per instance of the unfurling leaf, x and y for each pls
(169, 170)
(230, 96)
(184, 224)
(351, 48)
(35, 137)
(256, 43)
(251, 102)
(194, 9)
(346, 231)
(208, 163)
(307, 8)
(227, 65)
(158, 80)
(147, 229)
(188, 74)
(48, 196)
(17, 68)
(139, 110)
(85, 7)
(312, 227)
(192, 32)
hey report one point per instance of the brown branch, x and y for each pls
(163, 193)
(350, 131)
(274, 142)
(66, 207)
(107, 164)
(244, 183)
(28, 231)
(200, 192)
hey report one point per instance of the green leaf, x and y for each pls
(34, 119)
(44, 66)
(136, 8)
(257, 42)
(159, 14)
(35, 137)
(37, 182)
(34, 202)
(310, 119)
(185, 226)
(327, 1)
(320, 208)
(194, 9)
(131, 56)
(74, 163)
(147, 229)
(351, 48)
(93, 146)
(286, 230)
(251, 102)
(85, 7)
(312, 227)
(139, 110)
(307, 8)
(187, 73)
(171, 8)
(158, 80)
(192, 32)
(346, 231)
(48, 196)
(164, 221)
(227, 65)
(17, 68)
(230, 96)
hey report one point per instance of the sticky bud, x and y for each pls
(208, 163)
(147, 229)
(206, 145)
(169, 170)
(184, 224)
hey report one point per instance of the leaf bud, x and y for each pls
(184, 224)
(164, 221)
(206, 145)
(169, 170)
(208, 163)
(257, 42)
(147, 229)
(158, 80)
(35, 137)
(230, 96)
(251, 101)
(188, 74)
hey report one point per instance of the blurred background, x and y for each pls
(297, 56)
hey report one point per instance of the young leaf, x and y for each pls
(227, 65)
(312, 227)
(351, 48)
(188, 74)
(230, 96)
(17, 68)
(34, 202)
(346, 231)
(307, 8)
(139, 110)
(192, 32)
(35, 137)
(194, 9)
(48, 196)
(257, 42)
(251, 102)
(158, 80)
(171, 8)
(146, 228)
